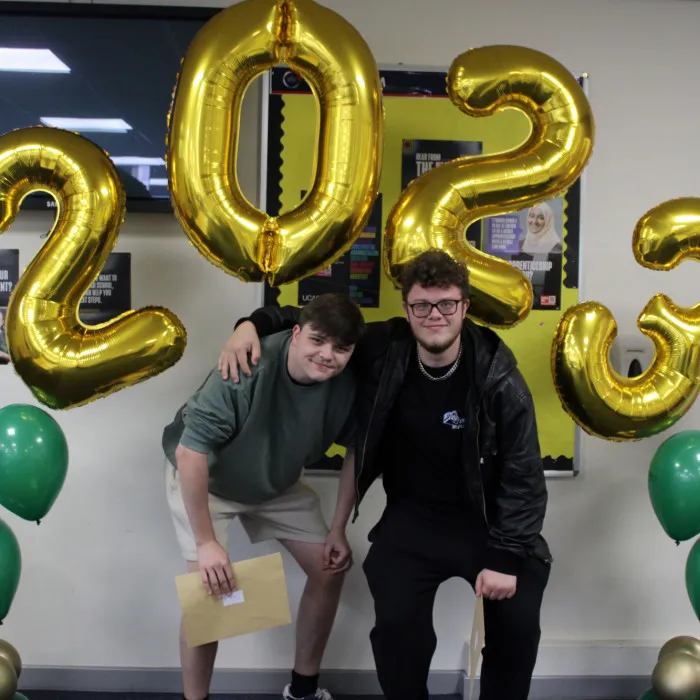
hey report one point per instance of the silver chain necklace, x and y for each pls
(447, 374)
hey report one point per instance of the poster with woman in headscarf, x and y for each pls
(531, 240)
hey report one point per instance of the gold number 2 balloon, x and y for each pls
(435, 210)
(604, 403)
(64, 362)
(237, 45)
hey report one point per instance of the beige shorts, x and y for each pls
(295, 515)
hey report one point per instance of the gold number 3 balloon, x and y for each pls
(604, 403)
(435, 210)
(64, 362)
(232, 49)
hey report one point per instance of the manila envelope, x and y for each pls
(476, 643)
(259, 602)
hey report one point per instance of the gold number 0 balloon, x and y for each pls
(620, 408)
(435, 209)
(62, 361)
(232, 49)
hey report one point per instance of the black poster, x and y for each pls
(110, 294)
(420, 155)
(357, 273)
(9, 275)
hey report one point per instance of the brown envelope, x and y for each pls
(476, 643)
(260, 602)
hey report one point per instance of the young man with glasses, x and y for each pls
(445, 417)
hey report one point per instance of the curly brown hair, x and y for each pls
(435, 268)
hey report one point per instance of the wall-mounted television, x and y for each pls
(105, 71)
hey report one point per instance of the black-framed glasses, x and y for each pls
(446, 307)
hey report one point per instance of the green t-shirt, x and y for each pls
(260, 433)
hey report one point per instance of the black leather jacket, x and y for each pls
(502, 461)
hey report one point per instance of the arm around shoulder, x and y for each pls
(242, 348)
(272, 319)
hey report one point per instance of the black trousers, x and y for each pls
(409, 558)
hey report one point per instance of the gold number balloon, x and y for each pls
(604, 403)
(64, 362)
(435, 209)
(668, 234)
(237, 45)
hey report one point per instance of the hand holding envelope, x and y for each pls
(259, 602)
(215, 569)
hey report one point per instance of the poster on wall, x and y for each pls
(110, 294)
(531, 240)
(357, 273)
(9, 276)
(420, 155)
(424, 129)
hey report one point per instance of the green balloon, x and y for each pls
(674, 485)
(692, 577)
(19, 696)
(10, 568)
(648, 695)
(33, 461)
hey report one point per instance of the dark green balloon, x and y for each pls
(10, 568)
(674, 485)
(692, 577)
(33, 461)
(19, 696)
(648, 695)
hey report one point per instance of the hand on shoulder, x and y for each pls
(241, 350)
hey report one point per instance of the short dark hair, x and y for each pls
(335, 316)
(435, 268)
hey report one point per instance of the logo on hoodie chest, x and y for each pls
(453, 419)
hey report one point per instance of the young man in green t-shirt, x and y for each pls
(239, 449)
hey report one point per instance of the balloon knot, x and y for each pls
(38, 522)
(678, 542)
(284, 33)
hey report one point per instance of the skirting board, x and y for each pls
(167, 680)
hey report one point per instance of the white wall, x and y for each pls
(105, 558)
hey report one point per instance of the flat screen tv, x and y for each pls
(105, 71)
